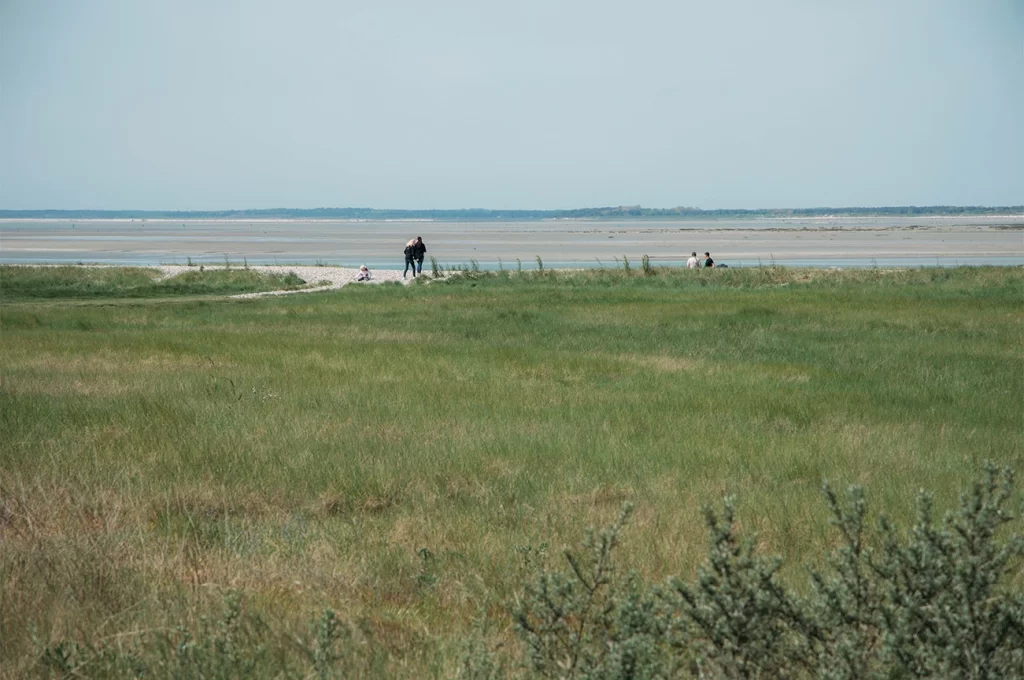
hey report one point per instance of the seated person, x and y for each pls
(708, 262)
(364, 274)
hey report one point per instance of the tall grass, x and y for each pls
(404, 455)
(18, 283)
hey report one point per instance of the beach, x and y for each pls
(823, 241)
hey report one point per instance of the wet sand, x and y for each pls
(897, 241)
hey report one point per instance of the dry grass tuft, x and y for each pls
(664, 363)
(376, 504)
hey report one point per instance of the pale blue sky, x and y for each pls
(209, 104)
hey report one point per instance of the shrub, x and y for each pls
(293, 279)
(943, 611)
(590, 623)
(932, 604)
(745, 624)
(845, 601)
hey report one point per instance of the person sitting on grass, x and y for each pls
(693, 262)
(364, 274)
(708, 262)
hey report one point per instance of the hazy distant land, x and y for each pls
(479, 214)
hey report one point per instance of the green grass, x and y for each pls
(306, 450)
(23, 283)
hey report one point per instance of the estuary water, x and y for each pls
(816, 242)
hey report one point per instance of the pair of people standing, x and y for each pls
(414, 252)
(694, 262)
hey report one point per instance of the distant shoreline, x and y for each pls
(488, 215)
(817, 219)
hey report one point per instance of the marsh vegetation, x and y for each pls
(70, 282)
(361, 481)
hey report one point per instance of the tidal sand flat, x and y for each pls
(560, 243)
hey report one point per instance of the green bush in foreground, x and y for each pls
(929, 603)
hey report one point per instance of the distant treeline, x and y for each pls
(478, 214)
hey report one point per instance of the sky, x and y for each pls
(531, 104)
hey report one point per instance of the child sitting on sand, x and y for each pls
(364, 274)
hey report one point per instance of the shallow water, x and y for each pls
(847, 242)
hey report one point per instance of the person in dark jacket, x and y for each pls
(708, 262)
(419, 249)
(410, 260)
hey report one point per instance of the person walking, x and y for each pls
(419, 249)
(693, 262)
(410, 259)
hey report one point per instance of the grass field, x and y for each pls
(405, 455)
(66, 282)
